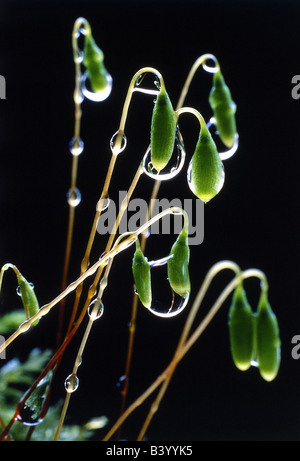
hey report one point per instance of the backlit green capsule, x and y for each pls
(28, 296)
(206, 172)
(163, 130)
(142, 276)
(267, 340)
(224, 109)
(94, 63)
(241, 323)
(178, 270)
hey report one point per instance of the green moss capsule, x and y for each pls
(142, 276)
(224, 109)
(241, 323)
(178, 270)
(28, 296)
(163, 130)
(206, 172)
(94, 63)
(267, 340)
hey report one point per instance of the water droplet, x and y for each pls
(232, 150)
(95, 309)
(71, 383)
(76, 146)
(78, 56)
(117, 145)
(164, 310)
(139, 80)
(103, 204)
(173, 168)
(254, 363)
(78, 97)
(32, 408)
(18, 291)
(165, 302)
(213, 68)
(100, 95)
(74, 197)
(121, 383)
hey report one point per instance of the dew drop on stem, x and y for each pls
(74, 197)
(95, 309)
(117, 145)
(71, 383)
(76, 146)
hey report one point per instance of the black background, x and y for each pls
(253, 221)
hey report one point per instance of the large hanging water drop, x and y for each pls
(174, 166)
(165, 302)
(30, 414)
(99, 95)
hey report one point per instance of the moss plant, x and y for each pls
(22, 414)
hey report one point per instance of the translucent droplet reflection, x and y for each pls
(95, 309)
(177, 306)
(103, 204)
(232, 150)
(74, 197)
(165, 303)
(100, 95)
(71, 383)
(173, 167)
(76, 146)
(210, 68)
(30, 414)
(121, 383)
(117, 145)
(139, 80)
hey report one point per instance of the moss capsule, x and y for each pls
(241, 323)
(142, 276)
(267, 339)
(28, 296)
(178, 271)
(163, 130)
(224, 109)
(206, 173)
(94, 63)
